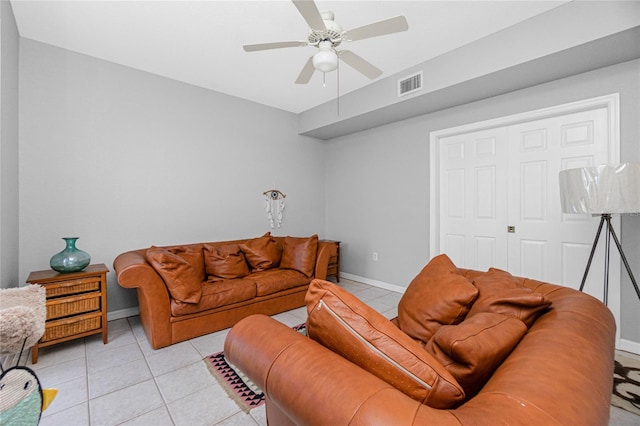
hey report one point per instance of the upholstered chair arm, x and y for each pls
(325, 251)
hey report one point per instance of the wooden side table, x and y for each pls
(76, 305)
(333, 269)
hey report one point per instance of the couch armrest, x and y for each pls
(297, 372)
(133, 271)
(325, 251)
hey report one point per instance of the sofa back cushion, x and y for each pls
(341, 322)
(472, 350)
(300, 254)
(179, 276)
(501, 293)
(225, 261)
(437, 296)
(262, 253)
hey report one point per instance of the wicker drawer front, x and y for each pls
(58, 329)
(81, 285)
(332, 270)
(333, 259)
(73, 305)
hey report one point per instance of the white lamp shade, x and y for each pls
(325, 60)
(601, 189)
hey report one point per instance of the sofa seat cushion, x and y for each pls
(437, 296)
(475, 348)
(179, 276)
(300, 254)
(275, 280)
(262, 253)
(501, 293)
(341, 322)
(225, 261)
(217, 294)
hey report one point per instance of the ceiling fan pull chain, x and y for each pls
(338, 87)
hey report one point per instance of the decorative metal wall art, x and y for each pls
(274, 206)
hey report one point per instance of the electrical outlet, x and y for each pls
(374, 256)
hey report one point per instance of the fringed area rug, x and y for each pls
(626, 384)
(238, 386)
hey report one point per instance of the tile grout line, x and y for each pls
(86, 367)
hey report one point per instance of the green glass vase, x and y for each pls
(71, 259)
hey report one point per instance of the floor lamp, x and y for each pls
(603, 190)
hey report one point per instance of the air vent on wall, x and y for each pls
(410, 84)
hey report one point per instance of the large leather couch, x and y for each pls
(186, 291)
(560, 372)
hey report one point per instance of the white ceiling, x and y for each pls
(200, 42)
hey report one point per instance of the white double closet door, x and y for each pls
(498, 202)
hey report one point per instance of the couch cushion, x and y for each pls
(193, 255)
(437, 296)
(473, 349)
(300, 254)
(275, 280)
(262, 253)
(179, 276)
(217, 294)
(225, 261)
(341, 322)
(501, 293)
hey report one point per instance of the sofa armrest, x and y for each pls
(296, 372)
(325, 251)
(133, 271)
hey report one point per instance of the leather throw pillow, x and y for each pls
(262, 253)
(500, 292)
(226, 261)
(342, 323)
(178, 275)
(472, 350)
(193, 255)
(437, 296)
(300, 254)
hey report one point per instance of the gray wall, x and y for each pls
(377, 180)
(124, 159)
(8, 147)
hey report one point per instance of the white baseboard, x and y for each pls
(629, 346)
(122, 313)
(374, 283)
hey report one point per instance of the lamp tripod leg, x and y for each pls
(624, 258)
(607, 255)
(593, 250)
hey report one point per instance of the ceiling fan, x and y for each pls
(327, 35)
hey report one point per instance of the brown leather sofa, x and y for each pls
(221, 302)
(560, 373)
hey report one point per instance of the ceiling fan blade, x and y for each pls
(387, 26)
(306, 73)
(310, 13)
(277, 45)
(359, 64)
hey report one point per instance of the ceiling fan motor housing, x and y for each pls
(332, 33)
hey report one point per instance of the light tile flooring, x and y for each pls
(126, 382)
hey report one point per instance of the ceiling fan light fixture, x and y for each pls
(325, 61)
